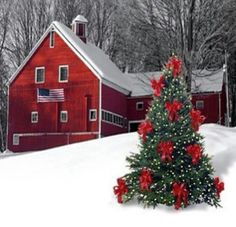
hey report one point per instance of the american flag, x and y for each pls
(50, 95)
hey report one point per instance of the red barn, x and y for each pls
(67, 90)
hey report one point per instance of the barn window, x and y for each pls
(199, 104)
(52, 39)
(16, 139)
(63, 116)
(34, 117)
(80, 29)
(39, 75)
(139, 106)
(63, 73)
(112, 118)
(92, 115)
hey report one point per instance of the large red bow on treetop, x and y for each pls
(145, 179)
(120, 189)
(219, 186)
(195, 152)
(174, 64)
(157, 85)
(180, 193)
(165, 149)
(172, 109)
(196, 119)
(144, 128)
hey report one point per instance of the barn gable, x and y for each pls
(92, 56)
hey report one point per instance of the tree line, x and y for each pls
(138, 35)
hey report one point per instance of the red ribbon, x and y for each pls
(196, 119)
(219, 186)
(144, 128)
(174, 64)
(180, 193)
(195, 152)
(145, 179)
(157, 85)
(120, 189)
(165, 149)
(172, 109)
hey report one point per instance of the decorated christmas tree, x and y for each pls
(171, 167)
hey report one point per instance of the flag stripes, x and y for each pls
(50, 95)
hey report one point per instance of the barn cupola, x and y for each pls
(79, 27)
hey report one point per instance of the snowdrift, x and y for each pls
(72, 186)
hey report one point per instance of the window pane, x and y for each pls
(52, 39)
(63, 73)
(64, 116)
(39, 75)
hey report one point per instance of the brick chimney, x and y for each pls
(79, 27)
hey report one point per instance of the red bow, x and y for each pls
(120, 189)
(144, 128)
(219, 186)
(165, 149)
(174, 64)
(145, 179)
(180, 193)
(157, 85)
(172, 109)
(196, 119)
(195, 152)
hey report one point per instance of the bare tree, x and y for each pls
(193, 29)
(5, 10)
(28, 22)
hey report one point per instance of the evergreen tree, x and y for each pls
(171, 167)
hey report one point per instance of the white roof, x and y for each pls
(207, 81)
(100, 62)
(81, 19)
(140, 83)
(202, 81)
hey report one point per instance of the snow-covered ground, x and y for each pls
(72, 186)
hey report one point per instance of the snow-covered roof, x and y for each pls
(207, 81)
(107, 70)
(140, 83)
(81, 19)
(202, 81)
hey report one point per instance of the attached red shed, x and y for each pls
(208, 95)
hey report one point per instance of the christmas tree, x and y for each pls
(171, 167)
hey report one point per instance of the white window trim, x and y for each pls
(113, 115)
(202, 104)
(138, 103)
(35, 75)
(93, 110)
(52, 36)
(32, 113)
(16, 139)
(64, 112)
(59, 73)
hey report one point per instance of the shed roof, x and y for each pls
(203, 81)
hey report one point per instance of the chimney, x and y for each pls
(79, 27)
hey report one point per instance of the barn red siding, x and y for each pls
(211, 108)
(81, 93)
(115, 102)
(135, 115)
